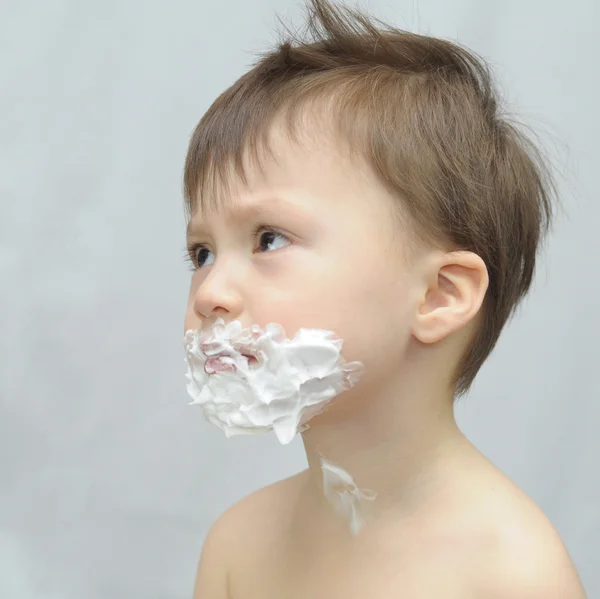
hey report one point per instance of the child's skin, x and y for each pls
(446, 522)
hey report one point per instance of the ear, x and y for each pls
(455, 288)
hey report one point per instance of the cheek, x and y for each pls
(190, 320)
(187, 321)
(376, 326)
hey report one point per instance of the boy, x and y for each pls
(405, 214)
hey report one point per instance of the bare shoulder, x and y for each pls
(524, 556)
(244, 529)
(262, 515)
(531, 560)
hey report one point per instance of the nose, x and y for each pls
(217, 296)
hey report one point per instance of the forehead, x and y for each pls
(283, 174)
(236, 212)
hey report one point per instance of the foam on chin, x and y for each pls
(290, 382)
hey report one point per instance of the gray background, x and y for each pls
(109, 480)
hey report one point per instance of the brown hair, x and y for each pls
(423, 113)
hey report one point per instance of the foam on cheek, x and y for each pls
(344, 496)
(290, 381)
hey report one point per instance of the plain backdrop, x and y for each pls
(109, 480)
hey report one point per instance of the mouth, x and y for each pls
(216, 363)
(251, 359)
(248, 352)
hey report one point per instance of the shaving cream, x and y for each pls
(251, 380)
(344, 496)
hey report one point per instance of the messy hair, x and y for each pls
(424, 114)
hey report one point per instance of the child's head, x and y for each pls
(411, 209)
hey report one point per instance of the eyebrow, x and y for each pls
(242, 212)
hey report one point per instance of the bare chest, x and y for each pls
(359, 581)
(385, 569)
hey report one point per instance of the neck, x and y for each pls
(397, 446)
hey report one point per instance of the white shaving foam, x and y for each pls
(343, 494)
(292, 380)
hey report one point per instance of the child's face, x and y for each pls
(328, 259)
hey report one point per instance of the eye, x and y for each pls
(268, 234)
(195, 257)
(196, 253)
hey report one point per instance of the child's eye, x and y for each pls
(196, 253)
(196, 257)
(268, 234)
